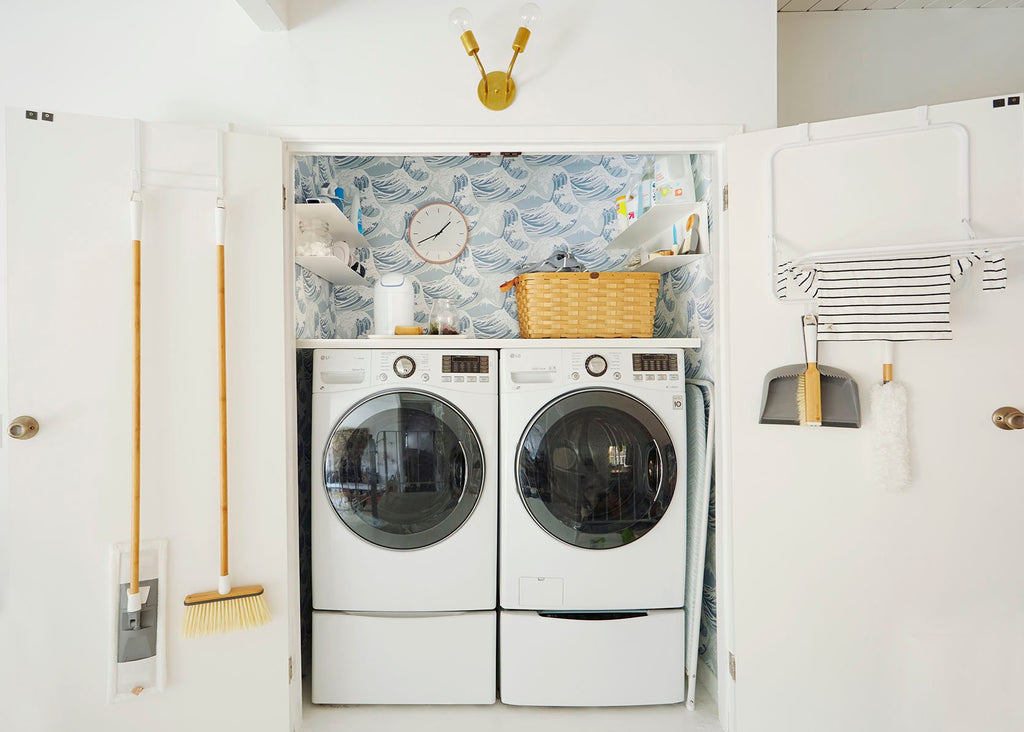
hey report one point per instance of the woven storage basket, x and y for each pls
(586, 304)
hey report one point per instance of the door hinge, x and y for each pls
(725, 198)
(290, 669)
(732, 666)
(284, 199)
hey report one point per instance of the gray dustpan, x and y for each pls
(840, 401)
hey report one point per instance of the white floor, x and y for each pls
(501, 718)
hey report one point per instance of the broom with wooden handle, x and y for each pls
(225, 608)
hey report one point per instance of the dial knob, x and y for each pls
(596, 365)
(404, 367)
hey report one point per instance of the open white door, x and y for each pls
(855, 608)
(69, 308)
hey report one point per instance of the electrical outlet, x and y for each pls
(138, 639)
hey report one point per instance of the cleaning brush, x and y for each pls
(890, 444)
(808, 384)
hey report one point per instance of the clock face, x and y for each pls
(438, 233)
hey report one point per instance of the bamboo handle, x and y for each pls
(887, 358)
(136, 414)
(812, 377)
(223, 416)
(812, 394)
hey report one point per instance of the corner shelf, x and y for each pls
(657, 220)
(328, 266)
(666, 264)
(332, 269)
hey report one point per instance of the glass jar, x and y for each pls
(314, 238)
(443, 318)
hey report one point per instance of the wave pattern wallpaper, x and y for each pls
(520, 211)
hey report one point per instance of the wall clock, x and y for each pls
(438, 233)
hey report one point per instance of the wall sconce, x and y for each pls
(496, 90)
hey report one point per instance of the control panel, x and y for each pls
(344, 369)
(436, 367)
(661, 368)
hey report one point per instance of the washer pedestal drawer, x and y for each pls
(404, 658)
(593, 659)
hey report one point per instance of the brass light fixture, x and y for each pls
(496, 90)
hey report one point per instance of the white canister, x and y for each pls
(392, 303)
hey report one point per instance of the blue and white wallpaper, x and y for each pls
(520, 211)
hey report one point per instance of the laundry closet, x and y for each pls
(521, 209)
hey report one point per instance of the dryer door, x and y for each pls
(596, 469)
(403, 469)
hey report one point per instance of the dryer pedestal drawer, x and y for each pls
(426, 658)
(592, 659)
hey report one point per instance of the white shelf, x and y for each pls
(667, 264)
(656, 221)
(332, 269)
(341, 228)
(328, 266)
(420, 342)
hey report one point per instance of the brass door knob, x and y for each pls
(23, 428)
(1008, 418)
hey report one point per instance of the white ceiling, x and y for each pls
(803, 6)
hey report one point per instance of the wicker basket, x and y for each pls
(586, 304)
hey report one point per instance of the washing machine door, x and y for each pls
(403, 469)
(596, 469)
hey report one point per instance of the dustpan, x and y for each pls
(840, 400)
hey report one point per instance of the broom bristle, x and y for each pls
(801, 398)
(223, 615)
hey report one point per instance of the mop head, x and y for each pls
(207, 613)
(890, 448)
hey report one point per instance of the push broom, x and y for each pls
(225, 608)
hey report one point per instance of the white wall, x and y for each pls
(347, 62)
(841, 64)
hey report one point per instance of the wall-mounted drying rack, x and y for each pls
(970, 244)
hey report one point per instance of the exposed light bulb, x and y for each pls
(461, 20)
(529, 15)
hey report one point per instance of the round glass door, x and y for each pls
(596, 469)
(403, 469)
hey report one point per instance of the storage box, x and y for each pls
(586, 304)
(593, 659)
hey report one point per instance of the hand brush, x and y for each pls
(890, 443)
(808, 385)
(225, 608)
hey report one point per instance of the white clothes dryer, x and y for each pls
(592, 525)
(404, 521)
(593, 498)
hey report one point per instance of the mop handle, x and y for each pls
(887, 350)
(136, 219)
(222, 347)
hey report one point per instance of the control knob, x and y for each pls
(404, 367)
(596, 365)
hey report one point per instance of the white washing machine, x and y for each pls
(404, 521)
(592, 525)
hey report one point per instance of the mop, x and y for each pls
(890, 444)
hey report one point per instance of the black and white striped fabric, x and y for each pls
(892, 299)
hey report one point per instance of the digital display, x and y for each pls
(655, 362)
(465, 365)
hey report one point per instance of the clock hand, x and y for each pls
(434, 236)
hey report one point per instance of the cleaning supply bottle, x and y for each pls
(357, 213)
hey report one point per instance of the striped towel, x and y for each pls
(892, 299)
